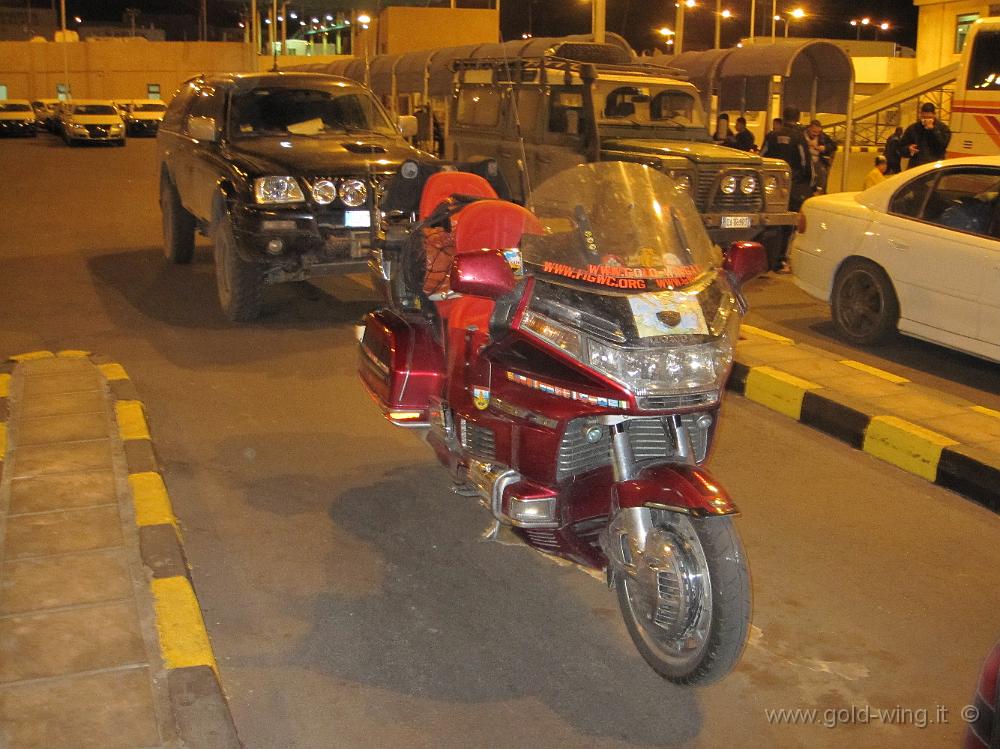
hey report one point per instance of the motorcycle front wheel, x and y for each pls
(685, 597)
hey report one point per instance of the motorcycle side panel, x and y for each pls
(401, 366)
(684, 487)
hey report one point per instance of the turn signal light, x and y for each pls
(532, 511)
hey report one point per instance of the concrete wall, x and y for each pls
(119, 68)
(402, 29)
(936, 26)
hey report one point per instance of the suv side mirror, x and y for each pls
(407, 124)
(202, 128)
(485, 274)
(745, 260)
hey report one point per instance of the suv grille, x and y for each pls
(650, 440)
(711, 199)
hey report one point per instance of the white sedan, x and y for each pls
(919, 252)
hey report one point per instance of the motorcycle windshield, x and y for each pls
(620, 226)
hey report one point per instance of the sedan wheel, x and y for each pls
(864, 304)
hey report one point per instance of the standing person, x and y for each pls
(894, 152)
(821, 149)
(877, 174)
(722, 136)
(926, 140)
(776, 124)
(789, 144)
(743, 139)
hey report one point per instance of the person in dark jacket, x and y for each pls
(821, 148)
(894, 152)
(926, 140)
(743, 139)
(788, 143)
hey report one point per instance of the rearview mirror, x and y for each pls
(202, 128)
(486, 274)
(407, 125)
(745, 261)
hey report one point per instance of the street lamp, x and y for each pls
(719, 15)
(667, 34)
(797, 14)
(680, 5)
(884, 26)
(860, 23)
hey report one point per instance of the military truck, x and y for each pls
(583, 102)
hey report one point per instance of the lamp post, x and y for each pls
(679, 23)
(719, 15)
(860, 23)
(884, 26)
(798, 14)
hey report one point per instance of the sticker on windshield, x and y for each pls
(668, 313)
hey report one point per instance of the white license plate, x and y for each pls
(362, 219)
(735, 222)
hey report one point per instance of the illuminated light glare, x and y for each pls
(798, 13)
(315, 20)
(727, 13)
(884, 26)
(404, 415)
(664, 31)
(364, 18)
(293, 15)
(329, 17)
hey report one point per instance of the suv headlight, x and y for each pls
(353, 192)
(776, 188)
(683, 181)
(277, 190)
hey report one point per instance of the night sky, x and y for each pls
(634, 19)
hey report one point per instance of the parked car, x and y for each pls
(919, 252)
(142, 116)
(91, 121)
(46, 112)
(281, 170)
(17, 117)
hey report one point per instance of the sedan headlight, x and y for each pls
(277, 190)
(353, 192)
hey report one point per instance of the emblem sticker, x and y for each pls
(481, 398)
(668, 313)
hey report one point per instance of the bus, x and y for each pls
(975, 118)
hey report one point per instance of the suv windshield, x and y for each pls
(620, 225)
(94, 109)
(8, 107)
(297, 111)
(634, 104)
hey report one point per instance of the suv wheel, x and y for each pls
(240, 284)
(178, 224)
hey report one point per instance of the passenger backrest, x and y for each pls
(442, 185)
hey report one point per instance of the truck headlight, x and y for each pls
(353, 192)
(277, 190)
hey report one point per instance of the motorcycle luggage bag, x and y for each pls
(401, 366)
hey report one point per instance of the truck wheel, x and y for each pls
(178, 224)
(240, 284)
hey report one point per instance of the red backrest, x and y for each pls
(442, 185)
(494, 224)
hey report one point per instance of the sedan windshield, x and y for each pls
(94, 109)
(293, 111)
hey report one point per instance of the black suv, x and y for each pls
(282, 170)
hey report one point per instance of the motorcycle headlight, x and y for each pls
(560, 336)
(353, 192)
(324, 191)
(277, 190)
(748, 185)
(728, 185)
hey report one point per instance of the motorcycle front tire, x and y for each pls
(708, 644)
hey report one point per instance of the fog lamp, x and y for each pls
(532, 511)
(275, 246)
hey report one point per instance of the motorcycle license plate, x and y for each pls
(735, 222)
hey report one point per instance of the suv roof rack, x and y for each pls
(525, 68)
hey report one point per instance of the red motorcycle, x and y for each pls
(568, 362)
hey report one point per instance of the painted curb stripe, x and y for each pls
(778, 390)
(835, 419)
(32, 355)
(152, 504)
(131, 420)
(4, 385)
(183, 637)
(861, 367)
(761, 333)
(906, 445)
(113, 371)
(969, 477)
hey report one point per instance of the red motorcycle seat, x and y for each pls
(443, 185)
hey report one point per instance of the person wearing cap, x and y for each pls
(926, 140)
(877, 174)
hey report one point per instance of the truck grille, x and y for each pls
(477, 440)
(712, 200)
(651, 442)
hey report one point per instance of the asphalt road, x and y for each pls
(349, 596)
